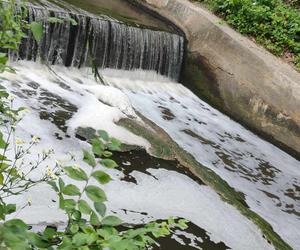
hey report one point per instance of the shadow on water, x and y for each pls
(192, 238)
(139, 160)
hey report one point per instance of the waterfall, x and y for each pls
(102, 41)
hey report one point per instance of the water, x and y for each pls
(137, 65)
(62, 101)
(101, 41)
(268, 177)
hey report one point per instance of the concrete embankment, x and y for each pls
(235, 74)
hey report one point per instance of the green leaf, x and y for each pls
(3, 58)
(98, 147)
(66, 244)
(76, 173)
(61, 201)
(107, 154)
(69, 204)
(74, 228)
(53, 185)
(71, 190)
(61, 184)
(92, 237)
(84, 207)
(111, 221)
(108, 163)
(101, 177)
(2, 141)
(107, 232)
(94, 220)
(3, 93)
(89, 159)
(49, 233)
(182, 223)
(10, 208)
(171, 221)
(95, 193)
(37, 31)
(3, 166)
(1, 179)
(114, 145)
(16, 226)
(76, 215)
(100, 208)
(104, 135)
(37, 241)
(79, 239)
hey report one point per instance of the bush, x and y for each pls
(272, 23)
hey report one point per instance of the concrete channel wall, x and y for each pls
(235, 74)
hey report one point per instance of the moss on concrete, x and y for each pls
(159, 148)
(198, 76)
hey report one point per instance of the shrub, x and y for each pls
(272, 23)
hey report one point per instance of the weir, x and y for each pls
(102, 42)
(141, 68)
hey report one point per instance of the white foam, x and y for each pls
(266, 175)
(170, 193)
(91, 112)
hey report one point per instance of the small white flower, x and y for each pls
(19, 116)
(50, 174)
(58, 163)
(19, 141)
(48, 152)
(35, 139)
(11, 97)
(29, 201)
(11, 114)
(75, 166)
(20, 173)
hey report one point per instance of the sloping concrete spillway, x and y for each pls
(235, 74)
(140, 68)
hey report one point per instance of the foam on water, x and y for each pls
(210, 136)
(269, 178)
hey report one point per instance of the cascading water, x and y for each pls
(63, 99)
(103, 42)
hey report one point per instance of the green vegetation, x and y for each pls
(275, 24)
(11, 30)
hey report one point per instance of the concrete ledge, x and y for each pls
(244, 80)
